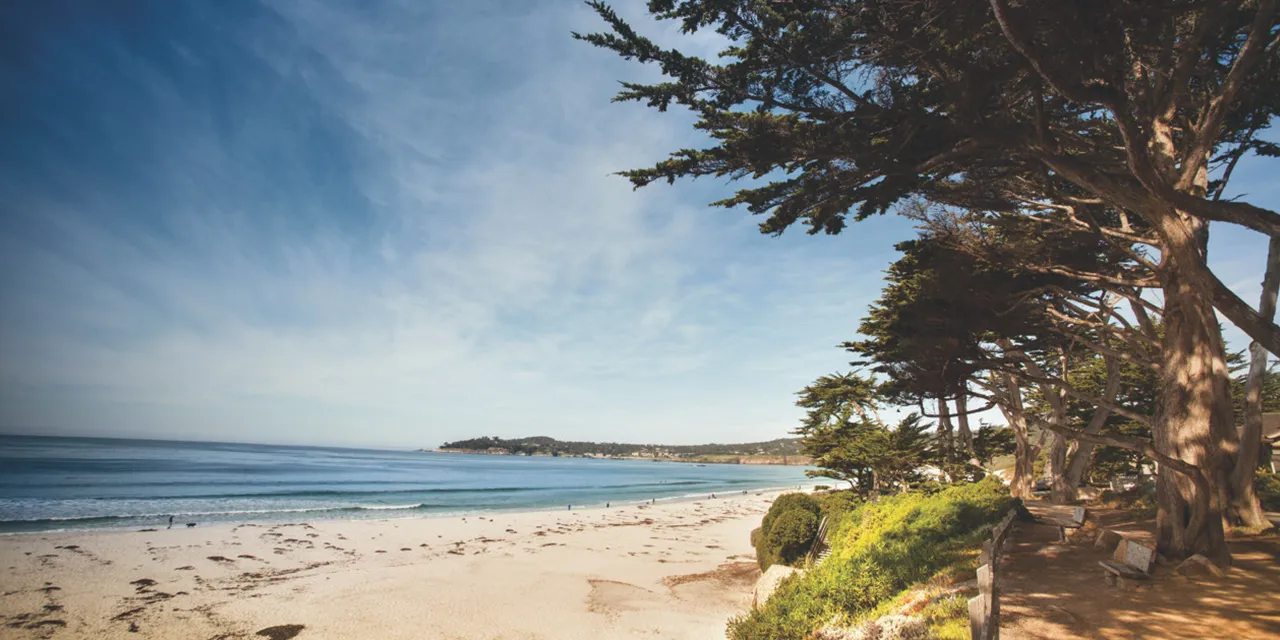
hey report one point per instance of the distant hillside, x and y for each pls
(545, 446)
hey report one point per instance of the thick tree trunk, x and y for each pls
(1079, 463)
(1245, 499)
(962, 420)
(1193, 416)
(1024, 454)
(1061, 491)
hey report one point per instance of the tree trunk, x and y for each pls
(1246, 505)
(945, 433)
(1024, 454)
(1193, 413)
(962, 419)
(1060, 491)
(1079, 464)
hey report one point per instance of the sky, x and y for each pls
(394, 223)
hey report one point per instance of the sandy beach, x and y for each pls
(676, 570)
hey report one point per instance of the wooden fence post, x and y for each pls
(977, 616)
(984, 608)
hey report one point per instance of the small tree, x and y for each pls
(991, 442)
(850, 445)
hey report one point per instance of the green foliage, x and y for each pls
(851, 110)
(1270, 389)
(791, 536)
(848, 443)
(991, 442)
(1139, 388)
(836, 399)
(787, 531)
(948, 618)
(1268, 487)
(838, 504)
(789, 501)
(878, 550)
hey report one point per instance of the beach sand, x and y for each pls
(674, 570)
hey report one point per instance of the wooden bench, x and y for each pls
(1131, 562)
(1065, 527)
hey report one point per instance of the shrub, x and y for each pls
(1268, 487)
(796, 535)
(948, 618)
(791, 535)
(836, 507)
(821, 487)
(788, 501)
(878, 550)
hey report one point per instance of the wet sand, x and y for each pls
(678, 570)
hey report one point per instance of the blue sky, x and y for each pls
(392, 223)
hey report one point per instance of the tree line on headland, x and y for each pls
(779, 451)
(1063, 162)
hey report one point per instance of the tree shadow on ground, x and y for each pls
(1055, 590)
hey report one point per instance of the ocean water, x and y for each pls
(74, 483)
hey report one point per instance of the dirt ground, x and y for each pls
(1054, 590)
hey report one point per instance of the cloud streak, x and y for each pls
(383, 223)
(390, 224)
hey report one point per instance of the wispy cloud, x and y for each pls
(384, 223)
(392, 223)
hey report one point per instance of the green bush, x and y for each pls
(791, 535)
(879, 550)
(1268, 487)
(793, 539)
(789, 501)
(837, 505)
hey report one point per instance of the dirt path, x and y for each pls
(1052, 590)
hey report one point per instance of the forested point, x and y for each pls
(543, 445)
(1056, 320)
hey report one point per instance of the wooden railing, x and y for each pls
(820, 549)
(984, 608)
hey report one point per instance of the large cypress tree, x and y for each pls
(852, 107)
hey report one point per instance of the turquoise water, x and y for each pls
(71, 483)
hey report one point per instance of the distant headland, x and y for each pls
(780, 451)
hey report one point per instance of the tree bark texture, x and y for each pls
(1193, 419)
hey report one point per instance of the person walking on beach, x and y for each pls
(170, 522)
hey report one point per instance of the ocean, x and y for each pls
(49, 484)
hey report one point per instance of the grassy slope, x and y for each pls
(880, 550)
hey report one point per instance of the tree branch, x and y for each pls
(1192, 472)
(1211, 120)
